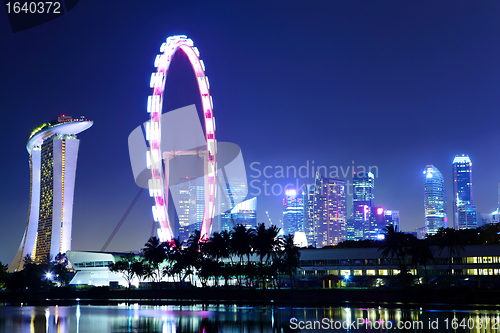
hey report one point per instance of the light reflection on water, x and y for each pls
(231, 318)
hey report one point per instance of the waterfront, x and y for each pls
(137, 317)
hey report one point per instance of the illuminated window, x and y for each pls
(345, 272)
(370, 272)
(486, 271)
(358, 272)
(383, 272)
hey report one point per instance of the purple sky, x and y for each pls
(392, 84)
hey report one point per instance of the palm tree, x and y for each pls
(265, 241)
(177, 256)
(264, 244)
(241, 241)
(154, 253)
(421, 254)
(449, 239)
(291, 257)
(218, 249)
(394, 243)
(241, 244)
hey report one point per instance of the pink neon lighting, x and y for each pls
(155, 103)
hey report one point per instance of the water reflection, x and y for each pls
(232, 318)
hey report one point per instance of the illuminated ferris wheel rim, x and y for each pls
(153, 133)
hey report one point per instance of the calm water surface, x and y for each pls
(133, 317)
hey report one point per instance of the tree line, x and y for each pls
(37, 276)
(401, 246)
(251, 257)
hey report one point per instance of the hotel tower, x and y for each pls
(53, 151)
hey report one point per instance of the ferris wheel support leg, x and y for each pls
(205, 232)
(166, 161)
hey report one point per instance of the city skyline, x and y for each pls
(393, 85)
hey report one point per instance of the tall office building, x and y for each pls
(362, 204)
(309, 226)
(229, 195)
(392, 218)
(53, 152)
(464, 211)
(190, 207)
(376, 224)
(244, 213)
(434, 200)
(293, 212)
(330, 212)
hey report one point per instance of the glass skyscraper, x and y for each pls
(53, 152)
(244, 213)
(392, 218)
(329, 216)
(362, 204)
(464, 211)
(191, 202)
(434, 200)
(293, 212)
(308, 202)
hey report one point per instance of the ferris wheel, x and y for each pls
(158, 160)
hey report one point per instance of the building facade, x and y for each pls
(362, 204)
(53, 152)
(293, 212)
(329, 211)
(392, 218)
(434, 200)
(244, 213)
(190, 206)
(309, 226)
(363, 263)
(464, 211)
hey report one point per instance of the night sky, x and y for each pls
(392, 84)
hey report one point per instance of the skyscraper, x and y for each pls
(376, 225)
(191, 203)
(434, 200)
(309, 226)
(244, 213)
(293, 212)
(464, 211)
(329, 215)
(392, 218)
(53, 150)
(362, 204)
